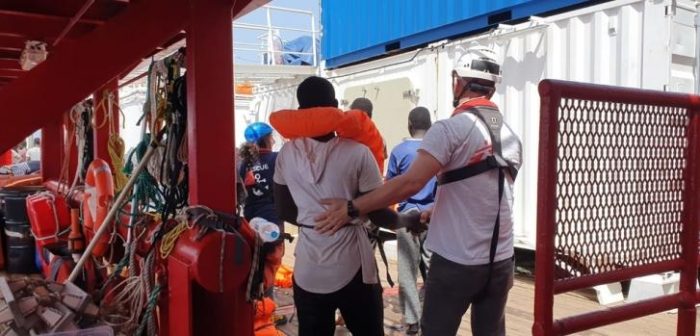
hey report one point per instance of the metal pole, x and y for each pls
(270, 46)
(313, 37)
(113, 211)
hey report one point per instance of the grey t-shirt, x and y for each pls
(463, 218)
(312, 171)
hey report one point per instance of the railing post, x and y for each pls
(689, 236)
(547, 205)
(313, 37)
(270, 47)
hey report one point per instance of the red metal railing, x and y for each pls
(618, 198)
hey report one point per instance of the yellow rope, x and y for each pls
(169, 239)
(115, 147)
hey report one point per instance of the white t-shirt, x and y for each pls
(465, 211)
(314, 170)
(34, 154)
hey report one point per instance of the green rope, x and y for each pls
(152, 303)
(148, 192)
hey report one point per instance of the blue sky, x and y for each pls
(280, 19)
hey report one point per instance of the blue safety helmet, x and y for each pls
(256, 131)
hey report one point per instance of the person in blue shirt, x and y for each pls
(257, 169)
(411, 255)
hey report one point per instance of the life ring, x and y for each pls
(97, 198)
(312, 122)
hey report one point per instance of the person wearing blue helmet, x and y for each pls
(257, 168)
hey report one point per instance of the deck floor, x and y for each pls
(519, 312)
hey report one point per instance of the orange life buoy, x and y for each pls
(98, 196)
(312, 122)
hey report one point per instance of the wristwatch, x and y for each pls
(352, 210)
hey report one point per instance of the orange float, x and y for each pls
(97, 198)
(313, 122)
(49, 217)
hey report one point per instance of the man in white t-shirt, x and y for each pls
(476, 157)
(34, 153)
(333, 269)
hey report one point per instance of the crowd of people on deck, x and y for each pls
(447, 194)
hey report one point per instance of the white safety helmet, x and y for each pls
(479, 62)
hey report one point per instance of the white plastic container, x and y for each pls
(268, 231)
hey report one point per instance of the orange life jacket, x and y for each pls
(317, 121)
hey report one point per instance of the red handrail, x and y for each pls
(568, 113)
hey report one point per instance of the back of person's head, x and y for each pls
(316, 92)
(363, 104)
(419, 119)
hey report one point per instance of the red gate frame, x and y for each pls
(546, 286)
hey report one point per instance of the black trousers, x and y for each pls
(360, 304)
(451, 288)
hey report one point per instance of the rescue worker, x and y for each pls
(411, 255)
(334, 269)
(471, 225)
(257, 169)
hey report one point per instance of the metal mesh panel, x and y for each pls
(619, 185)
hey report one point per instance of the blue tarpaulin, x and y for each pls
(302, 45)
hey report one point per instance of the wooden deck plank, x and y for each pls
(519, 311)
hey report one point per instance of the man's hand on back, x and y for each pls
(335, 217)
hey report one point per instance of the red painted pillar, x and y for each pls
(6, 158)
(210, 105)
(211, 151)
(52, 150)
(103, 120)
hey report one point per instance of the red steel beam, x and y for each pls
(44, 16)
(73, 21)
(76, 69)
(103, 10)
(12, 53)
(39, 28)
(9, 63)
(11, 73)
(12, 41)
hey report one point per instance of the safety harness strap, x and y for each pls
(494, 237)
(494, 122)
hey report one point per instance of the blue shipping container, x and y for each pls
(356, 30)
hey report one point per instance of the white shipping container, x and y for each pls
(648, 44)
